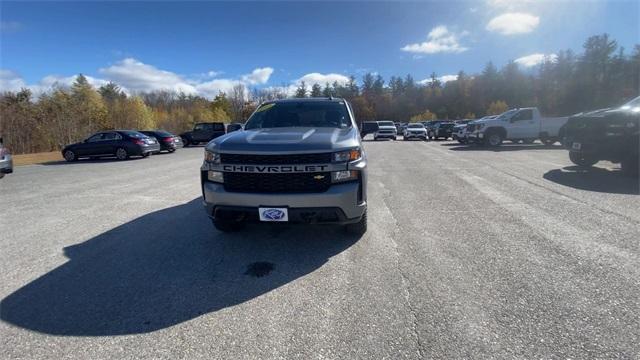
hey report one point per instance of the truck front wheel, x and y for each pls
(581, 159)
(494, 138)
(358, 228)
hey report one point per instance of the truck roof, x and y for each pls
(314, 99)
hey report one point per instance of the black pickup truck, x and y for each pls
(203, 133)
(608, 134)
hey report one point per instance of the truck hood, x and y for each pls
(286, 140)
(387, 128)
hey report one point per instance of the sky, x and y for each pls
(207, 47)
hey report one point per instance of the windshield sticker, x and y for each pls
(266, 107)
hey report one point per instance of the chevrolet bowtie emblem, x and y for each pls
(319, 177)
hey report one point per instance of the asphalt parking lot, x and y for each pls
(471, 252)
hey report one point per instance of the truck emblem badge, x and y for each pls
(319, 177)
(273, 214)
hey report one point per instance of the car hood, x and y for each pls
(387, 128)
(286, 139)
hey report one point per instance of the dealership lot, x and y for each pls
(470, 252)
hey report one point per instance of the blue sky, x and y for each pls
(204, 47)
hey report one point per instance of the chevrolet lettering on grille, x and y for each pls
(275, 168)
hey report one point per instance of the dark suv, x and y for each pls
(203, 133)
(609, 134)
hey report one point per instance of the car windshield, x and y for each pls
(416, 126)
(300, 114)
(386, 123)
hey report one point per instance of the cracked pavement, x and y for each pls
(470, 253)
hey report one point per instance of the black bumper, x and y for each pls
(322, 215)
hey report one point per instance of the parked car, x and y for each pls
(608, 134)
(459, 126)
(524, 124)
(430, 126)
(168, 142)
(463, 131)
(415, 131)
(119, 143)
(203, 133)
(386, 130)
(298, 160)
(443, 130)
(6, 162)
(234, 127)
(368, 127)
(398, 126)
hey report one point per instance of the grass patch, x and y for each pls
(36, 158)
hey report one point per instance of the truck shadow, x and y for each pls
(164, 268)
(595, 179)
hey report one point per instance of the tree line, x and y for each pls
(602, 75)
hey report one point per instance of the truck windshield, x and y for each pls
(386, 123)
(300, 114)
(507, 114)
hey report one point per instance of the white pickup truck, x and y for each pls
(523, 124)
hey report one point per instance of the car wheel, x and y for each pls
(122, 154)
(70, 156)
(581, 159)
(227, 225)
(630, 166)
(171, 150)
(494, 139)
(358, 228)
(186, 142)
(145, 155)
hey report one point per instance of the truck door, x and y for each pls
(199, 133)
(522, 125)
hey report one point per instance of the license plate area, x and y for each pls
(576, 146)
(270, 214)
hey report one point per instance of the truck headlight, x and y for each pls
(349, 155)
(215, 176)
(342, 176)
(211, 157)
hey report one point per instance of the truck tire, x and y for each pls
(358, 228)
(494, 139)
(581, 159)
(630, 166)
(186, 142)
(227, 225)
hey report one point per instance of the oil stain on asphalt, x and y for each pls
(259, 269)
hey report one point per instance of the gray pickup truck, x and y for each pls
(296, 160)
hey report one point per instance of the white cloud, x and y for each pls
(138, 76)
(443, 79)
(258, 76)
(10, 81)
(439, 40)
(535, 59)
(513, 23)
(135, 76)
(321, 79)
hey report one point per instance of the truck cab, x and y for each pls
(520, 124)
(202, 133)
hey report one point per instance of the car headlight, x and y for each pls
(348, 155)
(211, 157)
(343, 176)
(215, 176)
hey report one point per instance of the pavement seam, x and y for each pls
(403, 276)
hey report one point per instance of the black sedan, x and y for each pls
(119, 143)
(167, 140)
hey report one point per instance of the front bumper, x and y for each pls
(344, 197)
(475, 136)
(6, 165)
(387, 135)
(148, 149)
(415, 135)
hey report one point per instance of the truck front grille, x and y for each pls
(248, 159)
(277, 183)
